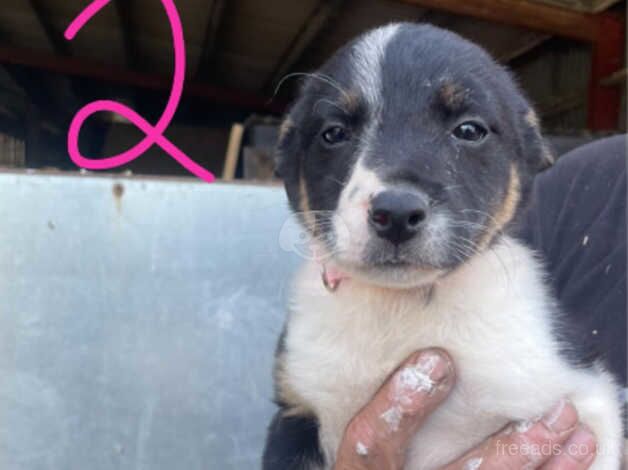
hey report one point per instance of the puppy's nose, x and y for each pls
(397, 216)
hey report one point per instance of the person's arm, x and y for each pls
(576, 221)
(373, 442)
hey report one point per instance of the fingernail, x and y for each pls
(581, 444)
(561, 418)
(435, 365)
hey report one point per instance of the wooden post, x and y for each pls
(233, 152)
(607, 57)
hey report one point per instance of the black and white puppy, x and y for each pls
(407, 158)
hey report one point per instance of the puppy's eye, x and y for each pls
(470, 131)
(335, 135)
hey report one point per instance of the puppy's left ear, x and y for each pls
(537, 153)
(287, 140)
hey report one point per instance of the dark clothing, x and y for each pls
(577, 220)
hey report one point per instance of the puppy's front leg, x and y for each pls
(293, 444)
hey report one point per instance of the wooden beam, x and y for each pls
(125, 18)
(208, 49)
(113, 74)
(616, 78)
(59, 44)
(528, 43)
(606, 58)
(315, 23)
(590, 6)
(524, 14)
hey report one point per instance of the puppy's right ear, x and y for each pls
(537, 152)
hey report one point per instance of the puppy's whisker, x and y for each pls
(464, 245)
(318, 76)
(335, 180)
(482, 213)
(472, 249)
(468, 224)
(331, 103)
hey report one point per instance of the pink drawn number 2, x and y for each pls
(154, 134)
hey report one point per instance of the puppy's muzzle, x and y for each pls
(397, 216)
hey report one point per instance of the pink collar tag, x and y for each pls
(331, 278)
(330, 275)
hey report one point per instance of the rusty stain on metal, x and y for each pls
(118, 192)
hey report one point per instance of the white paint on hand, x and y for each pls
(414, 379)
(411, 380)
(473, 464)
(361, 449)
(392, 417)
(523, 426)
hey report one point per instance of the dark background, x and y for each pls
(569, 55)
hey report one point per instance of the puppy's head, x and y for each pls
(407, 153)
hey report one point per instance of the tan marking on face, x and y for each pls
(350, 101)
(304, 205)
(506, 210)
(285, 127)
(452, 95)
(532, 119)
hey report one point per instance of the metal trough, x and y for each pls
(138, 319)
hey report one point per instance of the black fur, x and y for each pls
(292, 444)
(432, 80)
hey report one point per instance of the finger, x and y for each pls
(525, 444)
(378, 435)
(577, 453)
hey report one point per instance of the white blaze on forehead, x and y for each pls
(350, 221)
(368, 55)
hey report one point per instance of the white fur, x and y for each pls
(492, 315)
(363, 183)
(352, 211)
(350, 222)
(368, 53)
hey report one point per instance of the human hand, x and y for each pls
(378, 436)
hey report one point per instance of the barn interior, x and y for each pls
(568, 55)
(140, 306)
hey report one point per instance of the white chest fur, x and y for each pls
(493, 316)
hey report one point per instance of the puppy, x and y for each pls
(407, 158)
